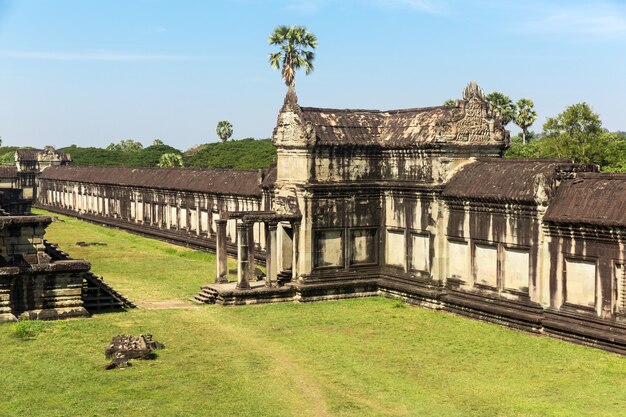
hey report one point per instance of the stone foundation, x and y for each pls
(32, 285)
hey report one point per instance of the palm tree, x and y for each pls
(503, 105)
(525, 116)
(293, 42)
(224, 130)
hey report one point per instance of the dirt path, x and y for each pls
(311, 387)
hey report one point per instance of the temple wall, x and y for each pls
(587, 273)
(494, 247)
(179, 212)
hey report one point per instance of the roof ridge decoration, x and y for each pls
(472, 90)
(292, 130)
(470, 123)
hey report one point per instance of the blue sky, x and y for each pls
(91, 72)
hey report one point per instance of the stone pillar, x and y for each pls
(6, 313)
(294, 262)
(220, 250)
(251, 254)
(271, 264)
(243, 270)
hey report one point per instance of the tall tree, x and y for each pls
(503, 105)
(525, 116)
(294, 43)
(576, 133)
(224, 130)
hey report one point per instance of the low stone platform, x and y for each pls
(228, 294)
(522, 315)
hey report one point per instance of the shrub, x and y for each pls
(28, 329)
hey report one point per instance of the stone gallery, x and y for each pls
(416, 204)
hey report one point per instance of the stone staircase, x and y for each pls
(207, 295)
(283, 277)
(97, 295)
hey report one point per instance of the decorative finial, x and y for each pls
(473, 90)
(291, 99)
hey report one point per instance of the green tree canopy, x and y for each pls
(170, 160)
(244, 154)
(126, 145)
(224, 130)
(294, 43)
(503, 105)
(158, 142)
(450, 102)
(577, 120)
(525, 116)
(576, 133)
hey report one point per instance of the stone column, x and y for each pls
(243, 270)
(220, 250)
(5, 301)
(251, 254)
(295, 227)
(272, 247)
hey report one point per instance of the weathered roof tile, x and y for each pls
(591, 198)
(515, 180)
(244, 182)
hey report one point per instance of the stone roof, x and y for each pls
(375, 127)
(8, 171)
(270, 177)
(510, 180)
(34, 154)
(470, 122)
(590, 198)
(242, 182)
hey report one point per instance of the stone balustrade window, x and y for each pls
(328, 248)
(420, 252)
(396, 248)
(620, 287)
(486, 264)
(516, 269)
(363, 246)
(580, 282)
(458, 259)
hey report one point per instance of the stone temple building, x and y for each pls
(416, 204)
(37, 279)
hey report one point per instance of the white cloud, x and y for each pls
(600, 19)
(92, 56)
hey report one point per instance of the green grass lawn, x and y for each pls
(365, 357)
(142, 269)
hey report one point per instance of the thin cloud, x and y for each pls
(304, 6)
(93, 56)
(600, 20)
(418, 5)
(314, 6)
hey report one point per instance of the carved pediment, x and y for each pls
(472, 121)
